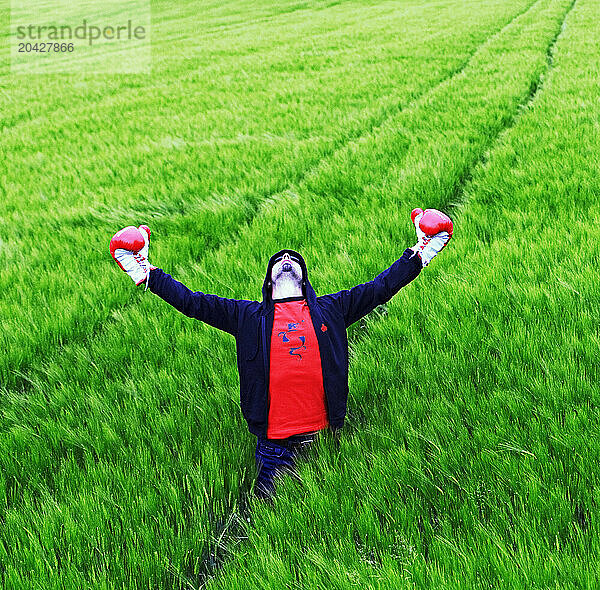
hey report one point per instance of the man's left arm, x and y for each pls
(434, 230)
(361, 299)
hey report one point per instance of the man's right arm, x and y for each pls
(129, 248)
(218, 312)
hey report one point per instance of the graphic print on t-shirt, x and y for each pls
(293, 327)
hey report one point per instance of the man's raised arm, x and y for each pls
(216, 311)
(434, 230)
(129, 248)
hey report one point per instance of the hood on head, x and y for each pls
(307, 290)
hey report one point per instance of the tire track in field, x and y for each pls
(457, 200)
(231, 531)
(22, 382)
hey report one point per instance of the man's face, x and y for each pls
(286, 266)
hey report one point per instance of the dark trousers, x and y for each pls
(276, 457)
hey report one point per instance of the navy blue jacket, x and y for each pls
(251, 322)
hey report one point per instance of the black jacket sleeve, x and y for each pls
(360, 300)
(216, 311)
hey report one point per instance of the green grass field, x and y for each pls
(470, 451)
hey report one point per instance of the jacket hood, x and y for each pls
(307, 290)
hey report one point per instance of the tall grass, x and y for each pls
(124, 454)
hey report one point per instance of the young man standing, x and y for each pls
(292, 347)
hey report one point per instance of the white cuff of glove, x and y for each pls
(429, 247)
(134, 264)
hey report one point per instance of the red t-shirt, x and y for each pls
(297, 397)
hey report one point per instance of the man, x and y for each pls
(292, 348)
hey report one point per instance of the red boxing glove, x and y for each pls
(129, 248)
(433, 221)
(434, 230)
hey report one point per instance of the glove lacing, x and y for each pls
(142, 262)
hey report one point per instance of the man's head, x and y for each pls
(286, 276)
